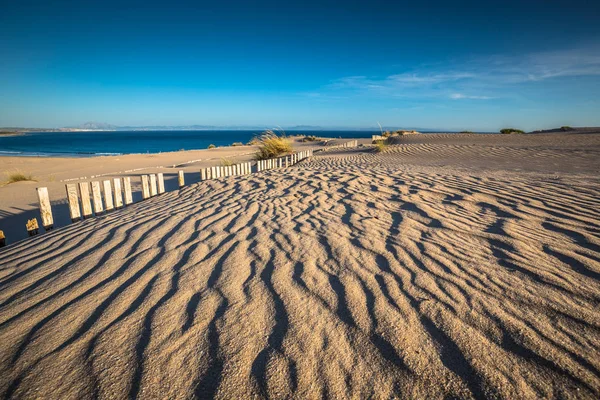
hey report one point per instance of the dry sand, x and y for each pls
(432, 270)
(19, 202)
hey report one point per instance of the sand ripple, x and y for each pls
(349, 275)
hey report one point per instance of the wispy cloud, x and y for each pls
(480, 78)
(459, 96)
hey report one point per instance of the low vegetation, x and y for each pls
(271, 145)
(226, 162)
(211, 146)
(311, 138)
(381, 145)
(566, 128)
(18, 176)
(510, 131)
(235, 144)
(466, 132)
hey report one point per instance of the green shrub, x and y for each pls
(211, 146)
(237, 144)
(465, 132)
(510, 131)
(566, 128)
(271, 145)
(310, 138)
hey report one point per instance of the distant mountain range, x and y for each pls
(102, 126)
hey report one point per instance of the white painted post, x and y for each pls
(181, 178)
(97, 195)
(153, 190)
(108, 198)
(127, 187)
(202, 174)
(45, 208)
(86, 205)
(118, 193)
(145, 187)
(73, 200)
(161, 183)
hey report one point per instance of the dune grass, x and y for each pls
(226, 162)
(271, 145)
(18, 176)
(381, 145)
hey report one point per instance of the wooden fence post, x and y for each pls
(108, 198)
(73, 200)
(145, 187)
(181, 178)
(97, 195)
(86, 205)
(161, 183)
(202, 174)
(153, 190)
(127, 190)
(45, 208)
(118, 193)
(32, 227)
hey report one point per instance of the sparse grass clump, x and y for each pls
(310, 138)
(18, 176)
(226, 162)
(510, 131)
(211, 146)
(235, 144)
(271, 145)
(380, 145)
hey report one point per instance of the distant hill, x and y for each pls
(568, 129)
(96, 125)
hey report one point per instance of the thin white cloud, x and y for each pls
(460, 96)
(476, 78)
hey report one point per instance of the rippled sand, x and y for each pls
(352, 274)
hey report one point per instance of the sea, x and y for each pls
(102, 143)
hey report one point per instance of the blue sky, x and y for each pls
(453, 65)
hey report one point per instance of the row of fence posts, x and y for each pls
(109, 195)
(352, 143)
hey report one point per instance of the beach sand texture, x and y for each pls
(425, 271)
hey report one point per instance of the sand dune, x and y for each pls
(350, 275)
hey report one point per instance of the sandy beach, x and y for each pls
(446, 266)
(19, 202)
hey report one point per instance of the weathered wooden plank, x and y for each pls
(118, 193)
(45, 208)
(127, 190)
(145, 187)
(153, 188)
(97, 196)
(202, 174)
(161, 183)
(32, 227)
(86, 205)
(181, 179)
(108, 197)
(73, 200)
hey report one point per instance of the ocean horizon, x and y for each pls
(103, 143)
